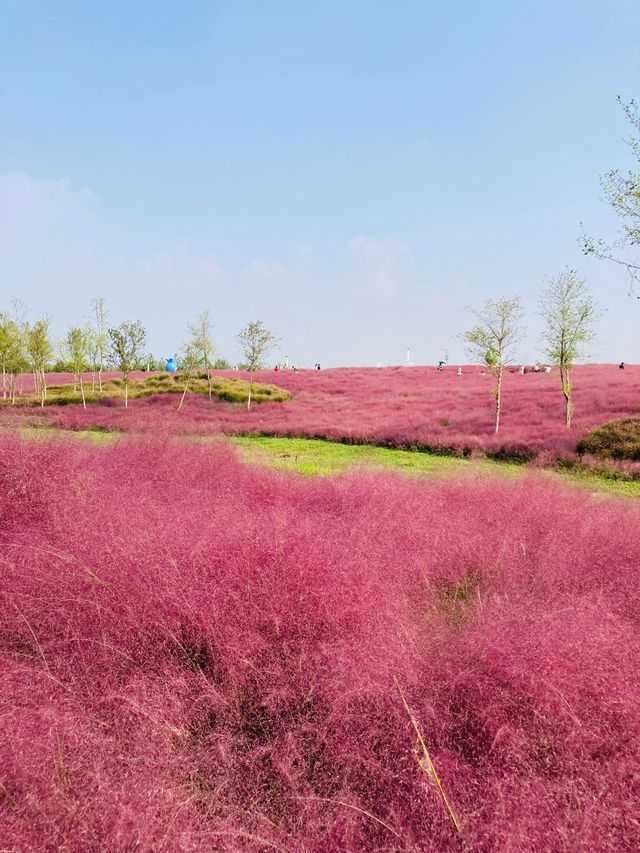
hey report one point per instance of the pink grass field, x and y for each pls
(395, 407)
(199, 655)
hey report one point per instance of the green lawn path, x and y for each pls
(314, 457)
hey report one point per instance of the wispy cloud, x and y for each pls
(267, 272)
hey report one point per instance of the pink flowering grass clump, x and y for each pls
(202, 655)
(417, 408)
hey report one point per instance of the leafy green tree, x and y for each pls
(622, 192)
(40, 351)
(493, 339)
(256, 342)
(126, 344)
(78, 347)
(11, 347)
(201, 345)
(569, 313)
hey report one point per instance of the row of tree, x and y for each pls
(27, 347)
(568, 312)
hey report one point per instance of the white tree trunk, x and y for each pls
(498, 400)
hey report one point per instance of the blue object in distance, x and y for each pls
(171, 365)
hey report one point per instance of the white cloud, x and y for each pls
(24, 199)
(381, 264)
(267, 272)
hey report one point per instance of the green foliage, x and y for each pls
(622, 192)
(61, 365)
(125, 346)
(13, 358)
(614, 440)
(256, 342)
(39, 344)
(569, 312)
(492, 340)
(78, 346)
(200, 346)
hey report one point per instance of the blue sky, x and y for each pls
(351, 173)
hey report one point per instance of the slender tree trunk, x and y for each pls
(209, 380)
(498, 400)
(100, 378)
(44, 384)
(565, 376)
(126, 392)
(84, 402)
(184, 393)
(250, 390)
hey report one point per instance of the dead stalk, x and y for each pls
(426, 764)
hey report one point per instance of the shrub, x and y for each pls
(615, 440)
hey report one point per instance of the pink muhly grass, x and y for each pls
(197, 655)
(417, 408)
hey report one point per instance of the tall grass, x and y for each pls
(200, 655)
(415, 408)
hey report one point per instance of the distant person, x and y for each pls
(621, 365)
(318, 366)
(521, 370)
(441, 366)
(459, 371)
(276, 369)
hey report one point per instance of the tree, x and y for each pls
(493, 339)
(78, 347)
(125, 349)
(622, 192)
(189, 361)
(100, 342)
(256, 342)
(40, 351)
(569, 312)
(11, 350)
(201, 346)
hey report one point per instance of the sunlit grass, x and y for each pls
(317, 458)
(312, 457)
(230, 390)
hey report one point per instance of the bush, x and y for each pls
(614, 440)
